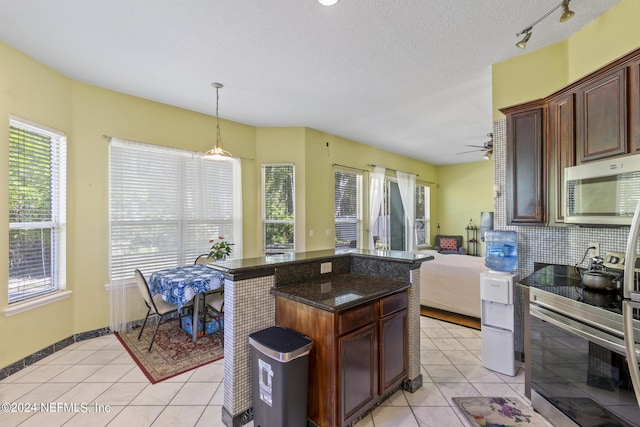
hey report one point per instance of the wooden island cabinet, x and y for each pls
(359, 353)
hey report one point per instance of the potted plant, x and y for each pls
(220, 249)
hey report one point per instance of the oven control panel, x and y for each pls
(616, 260)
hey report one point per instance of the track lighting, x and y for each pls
(523, 43)
(566, 12)
(566, 15)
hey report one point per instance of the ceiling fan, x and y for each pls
(487, 147)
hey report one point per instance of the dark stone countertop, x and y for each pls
(340, 292)
(246, 265)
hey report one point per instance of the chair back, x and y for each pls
(202, 259)
(143, 287)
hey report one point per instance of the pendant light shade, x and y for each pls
(217, 153)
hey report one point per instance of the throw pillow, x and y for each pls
(448, 244)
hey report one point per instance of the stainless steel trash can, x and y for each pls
(280, 377)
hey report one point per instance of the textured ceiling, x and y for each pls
(409, 76)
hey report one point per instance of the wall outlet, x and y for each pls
(325, 267)
(594, 252)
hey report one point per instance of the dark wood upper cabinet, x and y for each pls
(561, 142)
(526, 167)
(593, 118)
(601, 116)
(634, 105)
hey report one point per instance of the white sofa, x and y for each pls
(452, 283)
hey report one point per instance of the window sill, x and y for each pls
(21, 307)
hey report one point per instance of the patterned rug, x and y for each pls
(497, 411)
(173, 351)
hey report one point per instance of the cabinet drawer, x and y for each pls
(355, 318)
(393, 303)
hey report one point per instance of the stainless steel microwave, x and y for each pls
(603, 192)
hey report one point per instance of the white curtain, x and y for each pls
(376, 194)
(407, 187)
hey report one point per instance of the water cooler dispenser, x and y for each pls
(496, 293)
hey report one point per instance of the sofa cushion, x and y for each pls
(448, 244)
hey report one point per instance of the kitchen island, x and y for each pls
(251, 286)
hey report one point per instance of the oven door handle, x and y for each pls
(577, 328)
(630, 343)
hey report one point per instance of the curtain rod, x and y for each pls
(349, 167)
(109, 138)
(395, 170)
(390, 169)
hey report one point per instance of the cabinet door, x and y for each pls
(358, 371)
(561, 114)
(602, 117)
(634, 105)
(393, 350)
(525, 166)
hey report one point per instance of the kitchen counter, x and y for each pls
(356, 278)
(245, 265)
(340, 292)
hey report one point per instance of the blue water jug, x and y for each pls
(502, 250)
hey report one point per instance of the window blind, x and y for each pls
(37, 210)
(166, 204)
(347, 209)
(279, 207)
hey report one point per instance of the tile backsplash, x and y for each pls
(552, 245)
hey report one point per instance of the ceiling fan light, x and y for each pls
(327, 2)
(487, 155)
(523, 43)
(566, 12)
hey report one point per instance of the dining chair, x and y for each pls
(155, 305)
(213, 299)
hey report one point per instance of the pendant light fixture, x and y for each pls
(566, 15)
(217, 153)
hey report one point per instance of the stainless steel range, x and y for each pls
(585, 344)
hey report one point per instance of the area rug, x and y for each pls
(173, 351)
(497, 411)
(445, 316)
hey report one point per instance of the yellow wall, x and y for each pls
(85, 113)
(320, 161)
(539, 73)
(466, 190)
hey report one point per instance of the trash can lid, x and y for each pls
(280, 343)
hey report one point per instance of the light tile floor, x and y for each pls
(95, 382)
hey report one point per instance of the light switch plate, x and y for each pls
(325, 267)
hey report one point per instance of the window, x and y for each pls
(37, 210)
(279, 207)
(347, 209)
(166, 204)
(422, 215)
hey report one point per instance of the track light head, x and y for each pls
(566, 12)
(523, 43)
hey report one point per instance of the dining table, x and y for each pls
(179, 285)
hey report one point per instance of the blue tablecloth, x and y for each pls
(179, 285)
